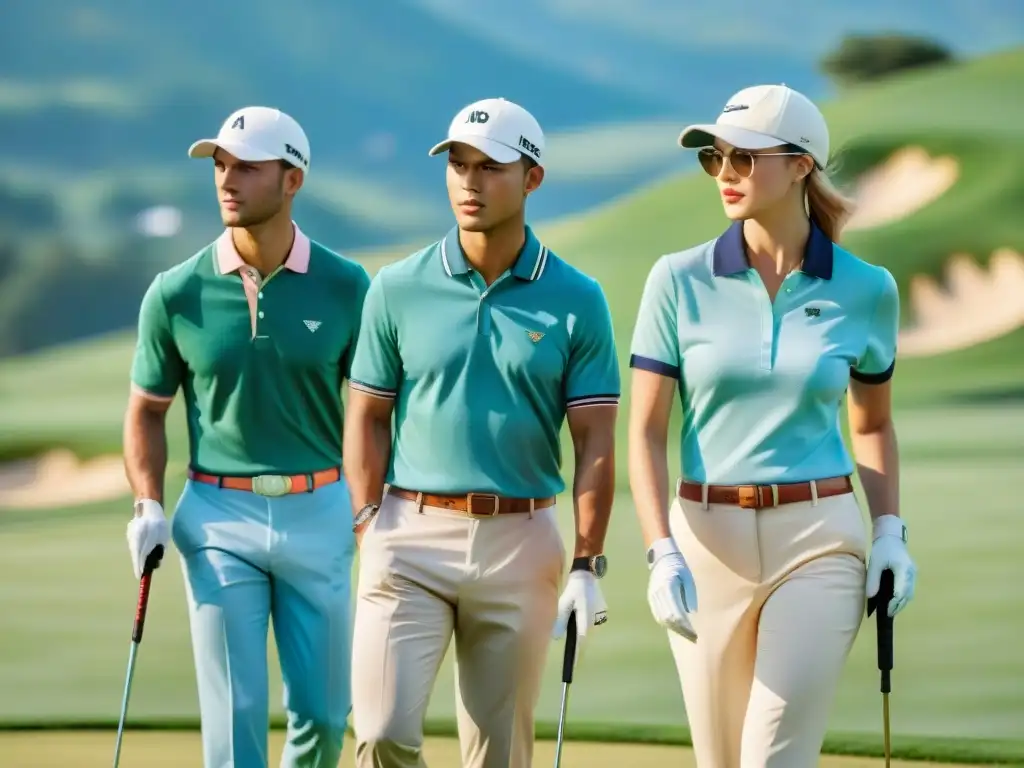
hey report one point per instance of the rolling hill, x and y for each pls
(74, 394)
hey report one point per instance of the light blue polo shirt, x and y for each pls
(482, 376)
(761, 383)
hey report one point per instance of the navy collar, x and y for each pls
(730, 256)
(529, 265)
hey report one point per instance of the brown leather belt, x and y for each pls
(474, 504)
(762, 496)
(271, 485)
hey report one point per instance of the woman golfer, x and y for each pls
(764, 330)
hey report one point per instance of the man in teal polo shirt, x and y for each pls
(257, 329)
(478, 347)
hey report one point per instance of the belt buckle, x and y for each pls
(469, 505)
(749, 496)
(272, 485)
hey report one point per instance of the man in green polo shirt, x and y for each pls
(479, 347)
(257, 329)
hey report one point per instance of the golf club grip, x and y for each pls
(144, 583)
(568, 661)
(883, 623)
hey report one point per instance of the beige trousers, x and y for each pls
(425, 575)
(780, 596)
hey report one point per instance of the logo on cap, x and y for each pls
(239, 123)
(734, 107)
(529, 146)
(289, 149)
(478, 116)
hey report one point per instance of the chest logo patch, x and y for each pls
(535, 336)
(312, 325)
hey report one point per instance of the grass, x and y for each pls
(167, 750)
(67, 593)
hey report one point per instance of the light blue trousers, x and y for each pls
(248, 560)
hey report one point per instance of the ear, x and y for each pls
(534, 177)
(805, 165)
(293, 179)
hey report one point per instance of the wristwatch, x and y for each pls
(597, 565)
(364, 514)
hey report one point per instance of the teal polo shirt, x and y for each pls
(762, 383)
(260, 360)
(482, 376)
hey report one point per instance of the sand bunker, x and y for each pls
(59, 479)
(975, 305)
(908, 181)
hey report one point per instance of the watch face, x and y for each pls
(600, 566)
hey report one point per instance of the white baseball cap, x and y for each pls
(765, 116)
(257, 134)
(501, 129)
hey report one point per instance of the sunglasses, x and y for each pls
(712, 160)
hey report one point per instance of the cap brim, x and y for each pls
(245, 153)
(498, 152)
(696, 136)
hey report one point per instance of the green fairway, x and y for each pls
(68, 592)
(171, 750)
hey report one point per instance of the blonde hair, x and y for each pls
(828, 207)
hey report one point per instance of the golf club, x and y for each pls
(883, 634)
(140, 619)
(568, 662)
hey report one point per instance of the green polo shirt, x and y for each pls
(482, 376)
(260, 360)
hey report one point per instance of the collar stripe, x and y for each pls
(444, 259)
(542, 261)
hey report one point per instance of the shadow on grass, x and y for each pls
(904, 747)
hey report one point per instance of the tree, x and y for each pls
(862, 58)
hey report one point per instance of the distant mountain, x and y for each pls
(123, 88)
(99, 101)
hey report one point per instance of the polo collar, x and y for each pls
(730, 254)
(229, 261)
(529, 266)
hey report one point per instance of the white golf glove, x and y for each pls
(671, 592)
(147, 530)
(582, 595)
(889, 551)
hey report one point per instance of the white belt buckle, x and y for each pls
(271, 485)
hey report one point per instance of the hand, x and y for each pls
(889, 550)
(582, 594)
(671, 592)
(146, 531)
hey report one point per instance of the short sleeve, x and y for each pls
(376, 365)
(877, 363)
(655, 345)
(592, 377)
(362, 285)
(157, 366)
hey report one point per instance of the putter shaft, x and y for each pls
(124, 702)
(561, 725)
(885, 728)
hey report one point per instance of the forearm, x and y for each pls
(648, 480)
(593, 496)
(367, 452)
(877, 456)
(145, 453)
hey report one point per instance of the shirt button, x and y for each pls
(260, 315)
(259, 295)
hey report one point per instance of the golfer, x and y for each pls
(257, 330)
(478, 346)
(764, 330)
